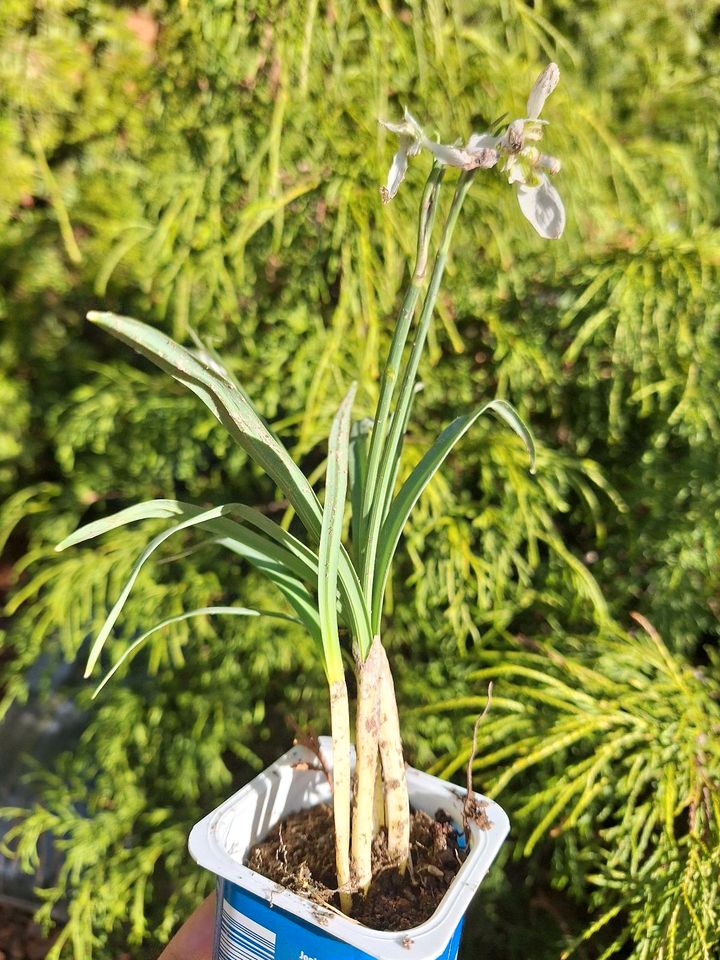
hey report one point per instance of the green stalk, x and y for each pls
(428, 211)
(359, 432)
(328, 561)
(340, 726)
(393, 445)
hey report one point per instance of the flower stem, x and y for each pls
(428, 211)
(393, 445)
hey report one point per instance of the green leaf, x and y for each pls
(211, 360)
(231, 407)
(148, 510)
(268, 556)
(237, 414)
(419, 479)
(331, 533)
(359, 436)
(200, 612)
(295, 592)
(302, 559)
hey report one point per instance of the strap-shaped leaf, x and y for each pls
(231, 407)
(295, 592)
(211, 359)
(235, 411)
(268, 556)
(303, 560)
(200, 612)
(420, 477)
(232, 537)
(331, 533)
(357, 473)
(148, 510)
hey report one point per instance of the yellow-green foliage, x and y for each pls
(213, 165)
(622, 738)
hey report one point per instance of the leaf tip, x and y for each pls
(99, 316)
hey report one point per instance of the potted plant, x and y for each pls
(331, 583)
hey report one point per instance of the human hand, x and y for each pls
(194, 940)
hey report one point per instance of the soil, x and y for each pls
(300, 854)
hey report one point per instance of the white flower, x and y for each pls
(411, 136)
(522, 161)
(542, 88)
(542, 206)
(413, 139)
(527, 167)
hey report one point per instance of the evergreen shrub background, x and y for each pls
(213, 166)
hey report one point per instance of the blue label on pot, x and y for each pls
(248, 928)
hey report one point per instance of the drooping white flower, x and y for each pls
(542, 88)
(473, 155)
(543, 207)
(478, 153)
(526, 167)
(411, 136)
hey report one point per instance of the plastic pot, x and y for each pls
(257, 919)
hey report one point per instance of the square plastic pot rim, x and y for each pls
(221, 841)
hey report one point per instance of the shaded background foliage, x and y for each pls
(213, 167)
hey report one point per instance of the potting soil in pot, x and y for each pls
(299, 853)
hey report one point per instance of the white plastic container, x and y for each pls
(257, 919)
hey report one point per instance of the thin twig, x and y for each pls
(309, 739)
(474, 739)
(471, 809)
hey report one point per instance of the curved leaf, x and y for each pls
(200, 612)
(295, 592)
(420, 477)
(231, 407)
(271, 558)
(331, 533)
(163, 509)
(238, 415)
(148, 510)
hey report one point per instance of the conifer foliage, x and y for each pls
(214, 168)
